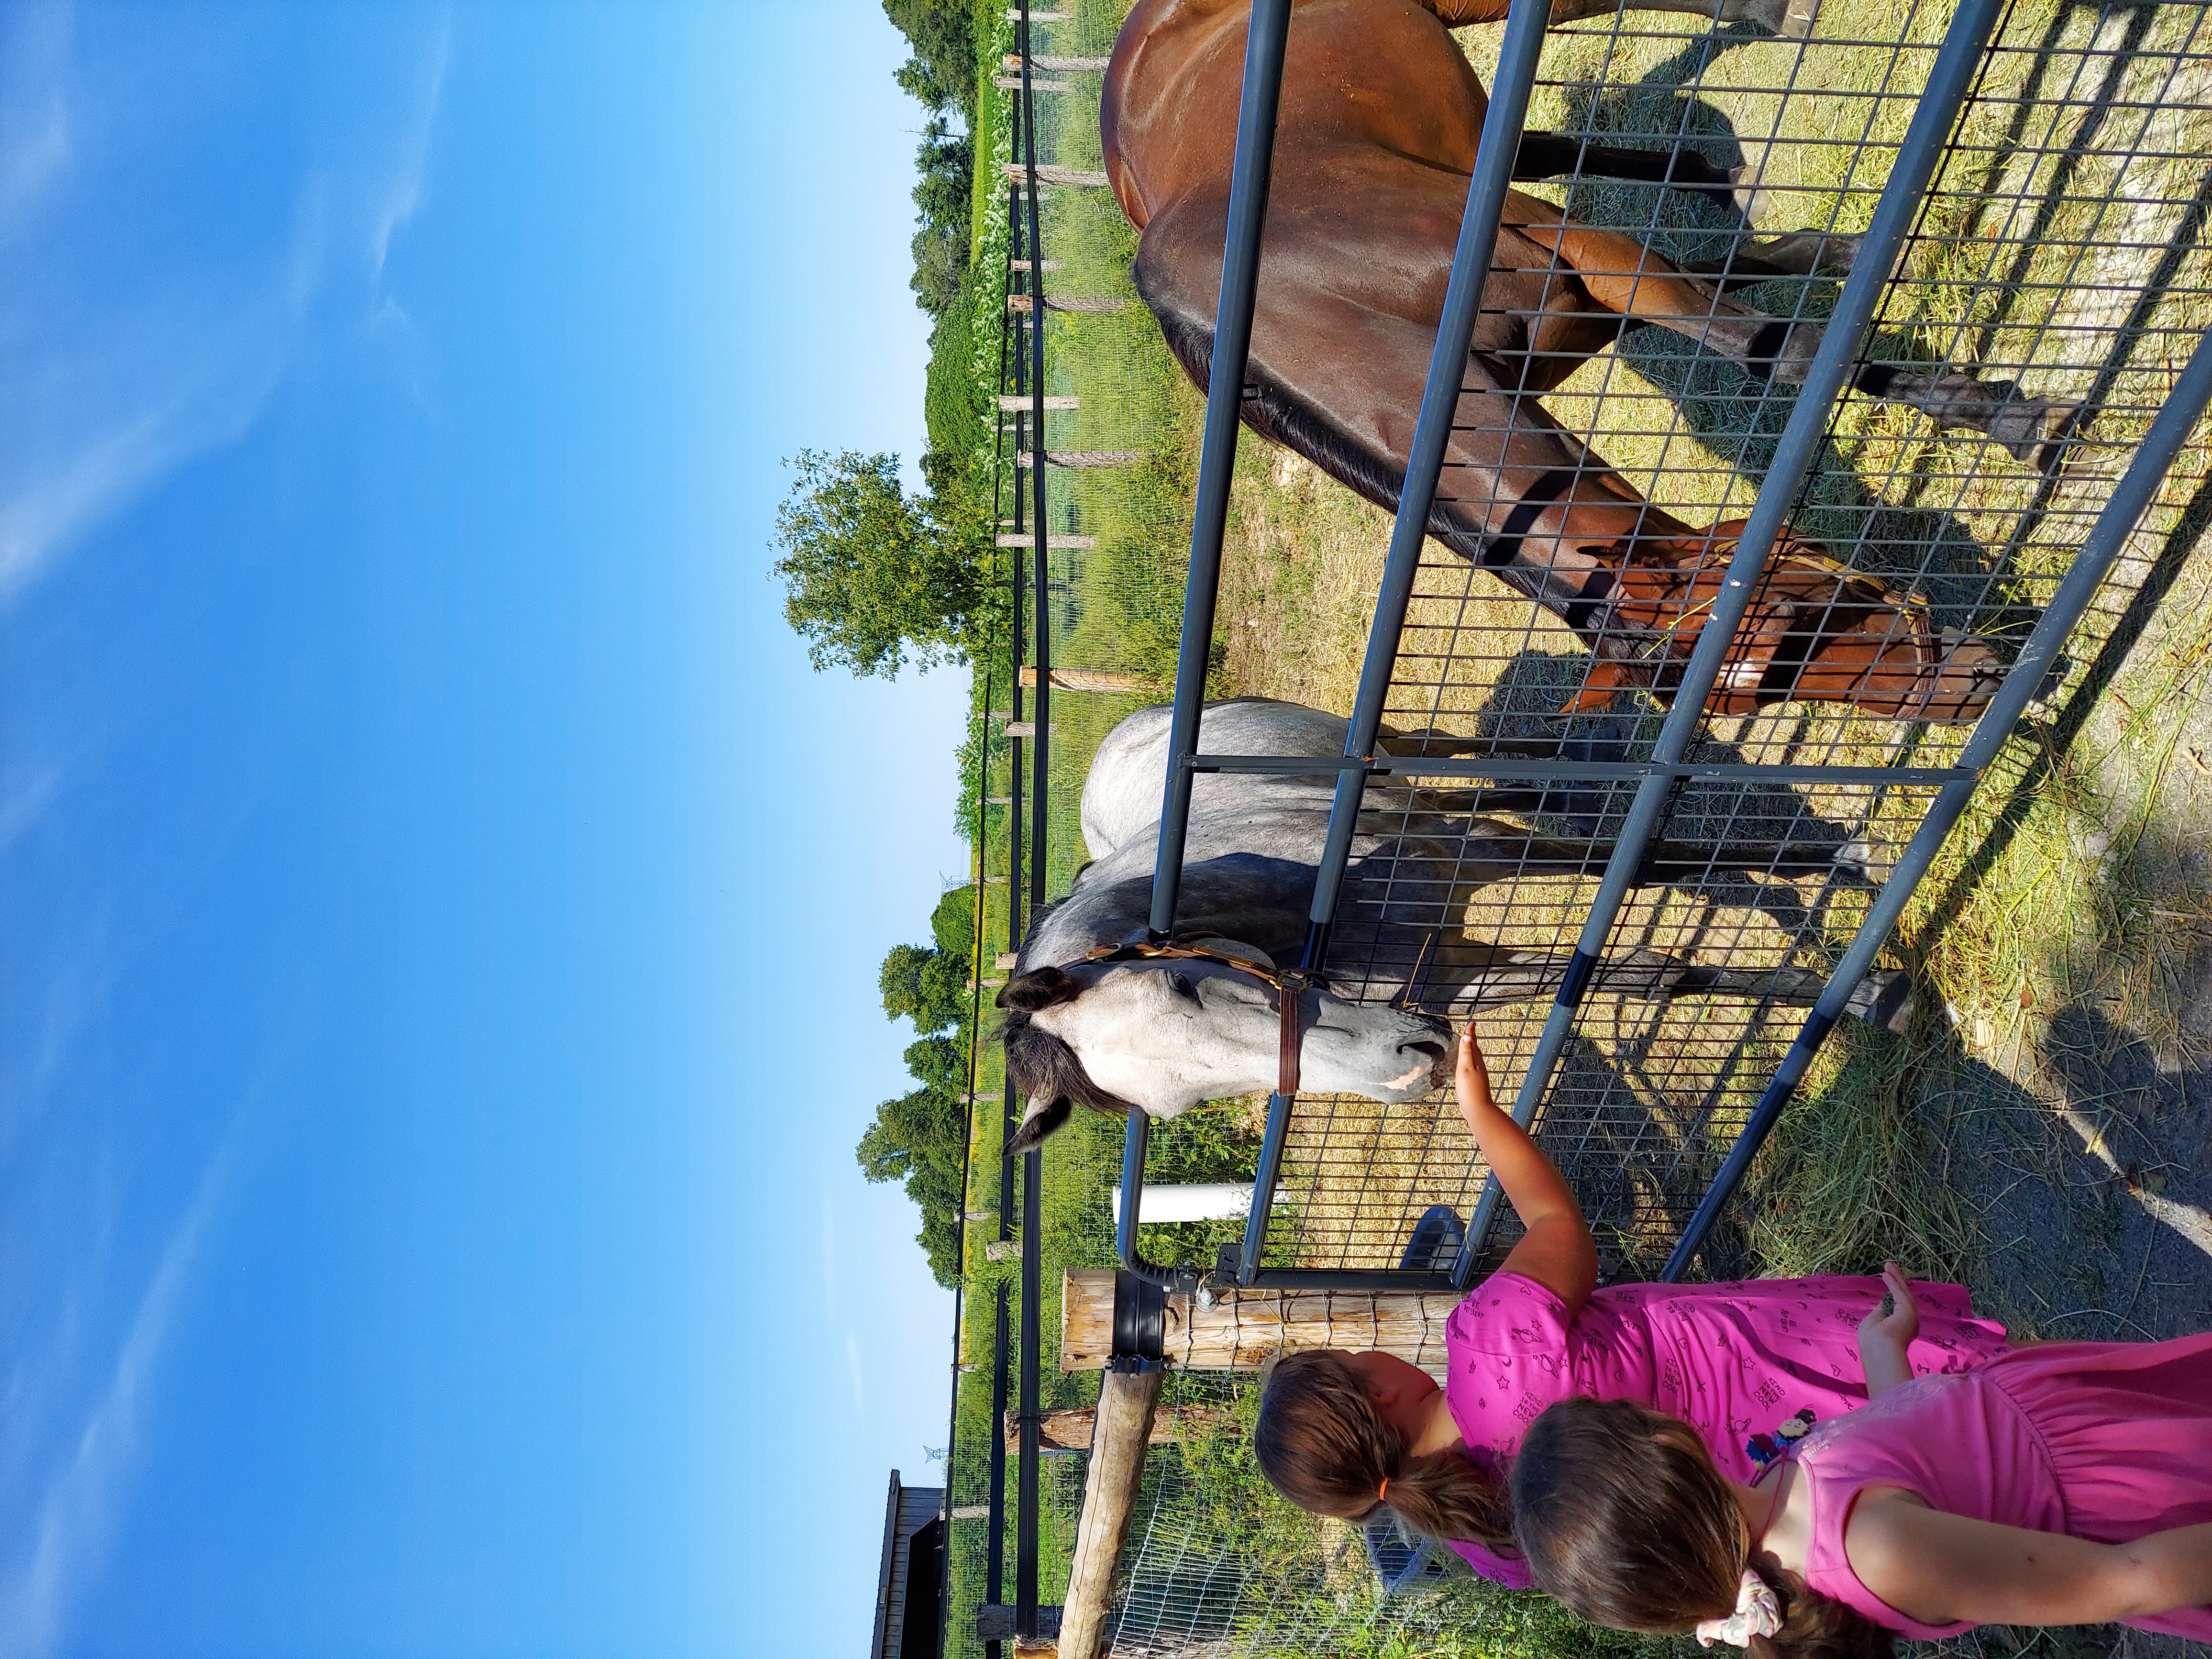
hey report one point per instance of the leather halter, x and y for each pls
(1289, 983)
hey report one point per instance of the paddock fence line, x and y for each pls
(1091, 502)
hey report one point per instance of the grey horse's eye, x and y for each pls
(1180, 984)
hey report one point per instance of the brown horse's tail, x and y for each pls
(1814, 630)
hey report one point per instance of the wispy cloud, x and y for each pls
(26, 802)
(131, 379)
(73, 1520)
(403, 189)
(34, 104)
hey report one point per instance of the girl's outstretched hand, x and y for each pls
(1471, 1080)
(1896, 1317)
(1889, 1326)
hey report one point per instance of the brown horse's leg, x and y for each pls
(1624, 276)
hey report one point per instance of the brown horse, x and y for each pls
(1375, 139)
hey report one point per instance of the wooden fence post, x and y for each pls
(1126, 1403)
(1065, 65)
(1022, 538)
(995, 1623)
(1086, 679)
(1074, 1428)
(1023, 304)
(1085, 457)
(1051, 173)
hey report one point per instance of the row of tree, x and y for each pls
(877, 578)
(940, 75)
(921, 1137)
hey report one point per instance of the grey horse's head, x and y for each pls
(1159, 1036)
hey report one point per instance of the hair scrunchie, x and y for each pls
(1758, 1613)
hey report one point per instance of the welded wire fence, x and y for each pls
(1083, 648)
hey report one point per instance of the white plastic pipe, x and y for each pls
(1200, 1201)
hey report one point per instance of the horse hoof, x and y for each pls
(1966, 675)
(1883, 1000)
(1835, 253)
(1867, 859)
(1785, 19)
(2063, 421)
(1751, 201)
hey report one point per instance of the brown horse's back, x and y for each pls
(1359, 75)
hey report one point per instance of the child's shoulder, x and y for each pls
(1509, 1312)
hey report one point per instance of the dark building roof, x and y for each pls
(909, 1611)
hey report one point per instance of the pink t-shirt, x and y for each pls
(1735, 1361)
(2104, 1441)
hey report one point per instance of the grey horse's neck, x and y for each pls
(1259, 900)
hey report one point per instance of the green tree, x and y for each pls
(872, 577)
(952, 923)
(942, 35)
(940, 1063)
(920, 1139)
(929, 987)
(947, 164)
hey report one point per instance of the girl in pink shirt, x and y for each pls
(2065, 1484)
(1748, 1365)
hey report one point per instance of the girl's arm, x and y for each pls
(1557, 1251)
(1936, 1567)
(1884, 1336)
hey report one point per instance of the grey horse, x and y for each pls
(1161, 1035)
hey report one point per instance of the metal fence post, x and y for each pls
(2107, 540)
(1225, 392)
(1025, 1474)
(1957, 62)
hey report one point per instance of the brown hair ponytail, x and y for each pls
(1624, 1518)
(1322, 1443)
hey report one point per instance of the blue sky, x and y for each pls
(441, 906)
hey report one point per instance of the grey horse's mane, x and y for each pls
(1043, 1066)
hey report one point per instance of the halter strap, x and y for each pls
(1289, 983)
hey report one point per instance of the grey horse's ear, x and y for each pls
(1040, 987)
(1037, 1126)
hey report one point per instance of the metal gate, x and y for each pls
(2030, 185)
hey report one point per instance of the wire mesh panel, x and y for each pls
(2055, 280)
(1214, 1568)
